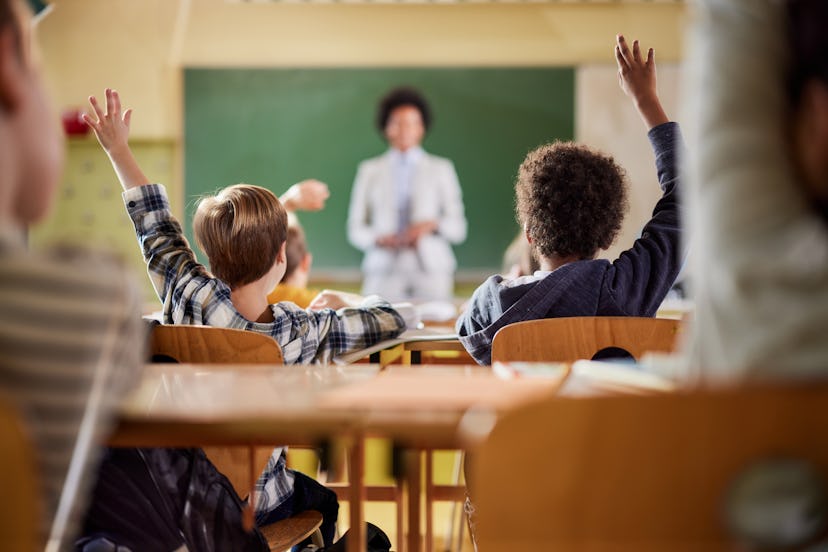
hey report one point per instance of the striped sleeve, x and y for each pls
(64, 322)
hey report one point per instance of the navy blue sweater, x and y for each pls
(634, 284)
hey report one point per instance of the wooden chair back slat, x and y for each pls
(205, 344)
(20, 512)
(636, 473)
(574, 338)
(208, 345)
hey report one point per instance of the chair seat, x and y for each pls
(283, 534)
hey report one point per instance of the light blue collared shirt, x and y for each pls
(403, 164)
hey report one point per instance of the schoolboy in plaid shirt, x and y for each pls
(243, 230)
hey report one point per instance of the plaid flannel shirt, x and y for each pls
(191, 295)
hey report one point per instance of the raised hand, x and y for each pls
(637, 78)
(308, 195)
(111, 127)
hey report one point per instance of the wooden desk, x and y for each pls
(190, 405)
(433, 407)
(391, 350)
(420, 408)
(416, 348)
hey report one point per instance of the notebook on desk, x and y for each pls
(598, 377)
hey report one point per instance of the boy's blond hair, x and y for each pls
(241, 230)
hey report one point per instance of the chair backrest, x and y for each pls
(575, 338)
(645, 473)
(209, 345)
(20, 511)
(205, 344)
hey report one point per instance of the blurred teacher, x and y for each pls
(406, 208)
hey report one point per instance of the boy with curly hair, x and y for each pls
(571, 202)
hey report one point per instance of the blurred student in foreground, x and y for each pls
(758, 189)
(69, 322)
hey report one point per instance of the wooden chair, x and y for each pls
(209, 345)
(575, 338)
(20, 513)
(650, 473)
(205, 344)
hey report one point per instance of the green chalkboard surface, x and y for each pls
(273, 127)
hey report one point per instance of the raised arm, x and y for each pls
(643, 274)
(308, 195)
(637, 78)
(111, 127)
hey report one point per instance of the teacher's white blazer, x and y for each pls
(435, 195)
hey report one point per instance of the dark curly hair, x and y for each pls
(398, 97)
(571, 200)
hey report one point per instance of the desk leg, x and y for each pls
(429, 500)
(414, 467)
(416, 357)
(356, 475)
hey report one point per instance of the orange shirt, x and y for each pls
(284, 292)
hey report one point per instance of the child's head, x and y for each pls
(403, 117)
(242, 230)
(298, 262)
(808, 92)
(571, 200)
(31, 145)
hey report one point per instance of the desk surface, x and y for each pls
(424, 406)
(420, 406)
(191, 404)
(197, 405)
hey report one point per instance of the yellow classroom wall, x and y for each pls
(140, 47)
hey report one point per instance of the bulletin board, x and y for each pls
(273, 127)
(89, 210)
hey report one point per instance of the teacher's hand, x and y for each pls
(389, 240)
(417, 230)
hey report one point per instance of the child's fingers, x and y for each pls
(94, 103)
(88, 120)
(636, 51)
(620, 59)
(127, 116)
(109, 105)
(116, 102)
(625, 50)
(650, 56)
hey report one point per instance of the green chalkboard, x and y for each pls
(273, 127)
